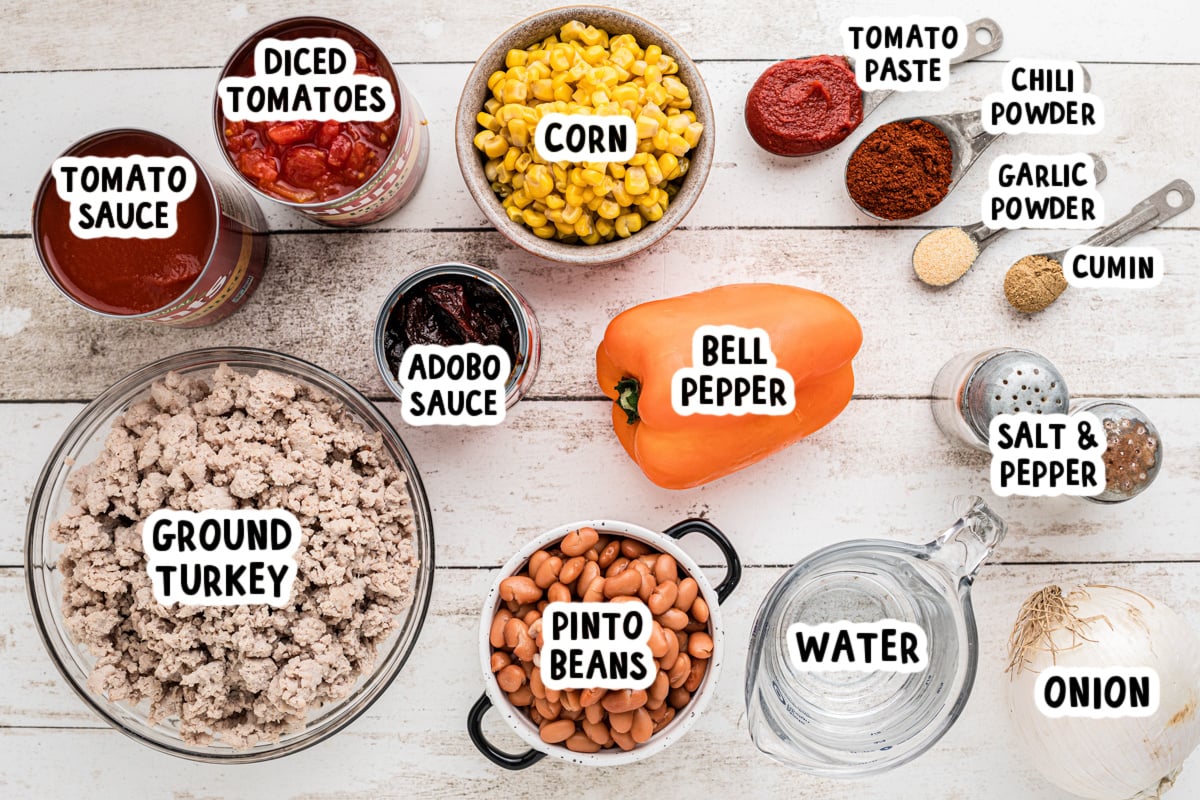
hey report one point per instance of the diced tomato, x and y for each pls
(258, 165)
(339, 151)
(304, 166)
(308, 160)
(328, 131)
(286, 133)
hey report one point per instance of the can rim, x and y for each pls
(45, 184)
(512, 298)
(283, 25)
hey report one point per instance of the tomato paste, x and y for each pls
(127, 276)
(804, 106)
(311, 161)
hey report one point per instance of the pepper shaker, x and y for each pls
(1133, 455)
(972, 388)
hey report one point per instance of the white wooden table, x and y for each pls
(881, 469)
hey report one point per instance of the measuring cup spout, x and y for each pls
(966, 544)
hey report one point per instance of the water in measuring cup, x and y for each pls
(850, 722)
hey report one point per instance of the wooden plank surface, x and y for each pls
(747, 187)
(146, 33)
(881, 469)
(413, 742)
(58, 351)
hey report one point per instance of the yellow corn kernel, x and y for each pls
(677, 124)
(647, 126)
(563, 92)
(639, 67)
(593, 204)
(633, 221)
(609, 209)
(482, 138)
(677, 145)
(513, 212)
(594, 54)
(668, 164)
(683, 166)
(655, 92)
(623, 198)
(539, 181)
(518, 181)
(520, 198)
(616, 169)
(636, 181)
(592, 36)
(538, 70)
(692, 134)
(544, 231)
(491, 105)
(662, 139)
(523, 162)
(574, 195)
(583, 226)
(622, 57)
(554, 201)
(489, 169)
(653, 54)
(653, 172)
(593, 177)
(654, 74)
(533, 219)
(675, 87)
(514, 91)
(605, 228)
(653, 213)
(572, 31)
(543, 89)
(638, 159)
(518, 133)
(494, 80)
(591, 238)
(510, 158)
(561, 57)
(516, 58)
(571, 213)
(625, 93)
(487, 121)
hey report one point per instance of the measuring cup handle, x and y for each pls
(974, 48)
(497, 757)
(733, 564)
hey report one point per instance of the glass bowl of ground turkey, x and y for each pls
(224, 429)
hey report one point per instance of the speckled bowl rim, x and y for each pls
(672, 731)
(475, 91)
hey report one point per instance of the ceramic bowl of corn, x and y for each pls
(584, 60)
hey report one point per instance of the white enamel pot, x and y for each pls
(520, 722)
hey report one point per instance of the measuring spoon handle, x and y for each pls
(1148, 214)
(983, 235)
(872, 99)
(974, 49)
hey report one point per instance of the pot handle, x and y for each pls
(497, 757)
(733, 564)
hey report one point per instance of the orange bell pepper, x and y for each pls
(813, 337)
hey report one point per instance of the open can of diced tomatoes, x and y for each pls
(343, 174)
(207, 269)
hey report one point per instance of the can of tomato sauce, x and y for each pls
(339, 173)
(199, 274)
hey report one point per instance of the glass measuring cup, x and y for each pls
(852, 723)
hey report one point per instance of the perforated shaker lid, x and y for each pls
(1010, 382)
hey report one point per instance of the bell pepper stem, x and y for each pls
(627, 398)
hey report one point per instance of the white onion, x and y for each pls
(1106, 627)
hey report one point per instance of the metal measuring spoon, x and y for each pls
(967, 138)
(1042, 273)
(872, 99)
(978, 234)
(973, 50)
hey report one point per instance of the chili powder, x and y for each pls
(901, 170)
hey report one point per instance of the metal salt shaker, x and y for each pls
(971, 389)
